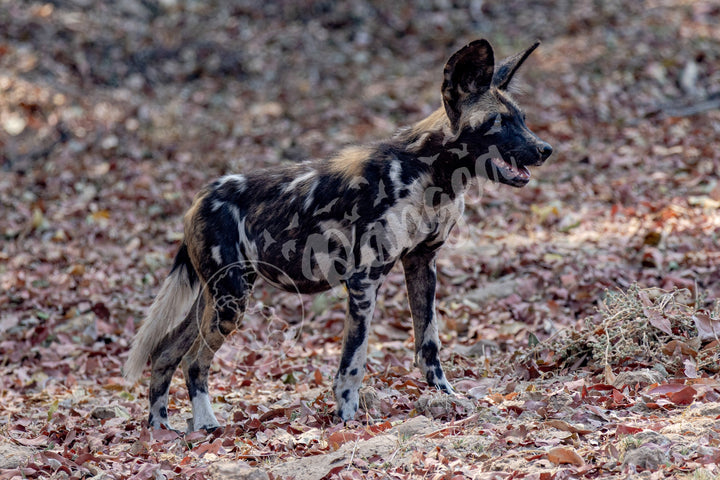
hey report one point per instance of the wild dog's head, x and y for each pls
(483, 115)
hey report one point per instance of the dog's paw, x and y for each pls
(157, 422)
(203, 417)
(347, 404)
(209, 427)
(436, 378)
(165, 426)
(445, 387)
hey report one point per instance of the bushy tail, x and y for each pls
(172, 303)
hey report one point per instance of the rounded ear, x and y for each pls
(507, 68)
(468, 72)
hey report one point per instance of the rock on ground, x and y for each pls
(318, 466)
(236, 471)
(646, 456)
(13, 456)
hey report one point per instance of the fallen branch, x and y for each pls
(711, 102)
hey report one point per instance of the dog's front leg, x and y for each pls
(420, 278)
(362, 293)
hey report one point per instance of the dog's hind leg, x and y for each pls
(420, 278)
(165, 359)
(226, 300)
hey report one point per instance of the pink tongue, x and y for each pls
(511, 168)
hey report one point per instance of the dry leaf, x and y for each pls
(563, 425)
(565, 455)
(683, 397)
(674, 345)
(708, 328)
(335, 440)
(658, 320)
(677, 393)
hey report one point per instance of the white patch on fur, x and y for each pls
(417, 144)
(238, 179)
(307, 176)
(477, 117)
(234, 211)
(431, 332)
(346, 408)
(404, 224)
(309, 198)
(330, 228)
(324, 261)
(367, 255)
(167, 311)
(217, 205)
(395, 173)
(250, 246)
(215, 252)
(203, 416)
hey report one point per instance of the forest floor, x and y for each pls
(579, 314)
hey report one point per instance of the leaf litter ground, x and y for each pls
(579, 313)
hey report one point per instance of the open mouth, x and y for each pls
(509, 173)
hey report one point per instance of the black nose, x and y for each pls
(545, 150)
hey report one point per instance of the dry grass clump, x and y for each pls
(638, 327)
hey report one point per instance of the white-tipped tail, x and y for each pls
(172, 303)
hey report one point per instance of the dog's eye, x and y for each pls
(498, 123)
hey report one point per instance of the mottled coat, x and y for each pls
(347, 220)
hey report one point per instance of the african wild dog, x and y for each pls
(346, 220)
